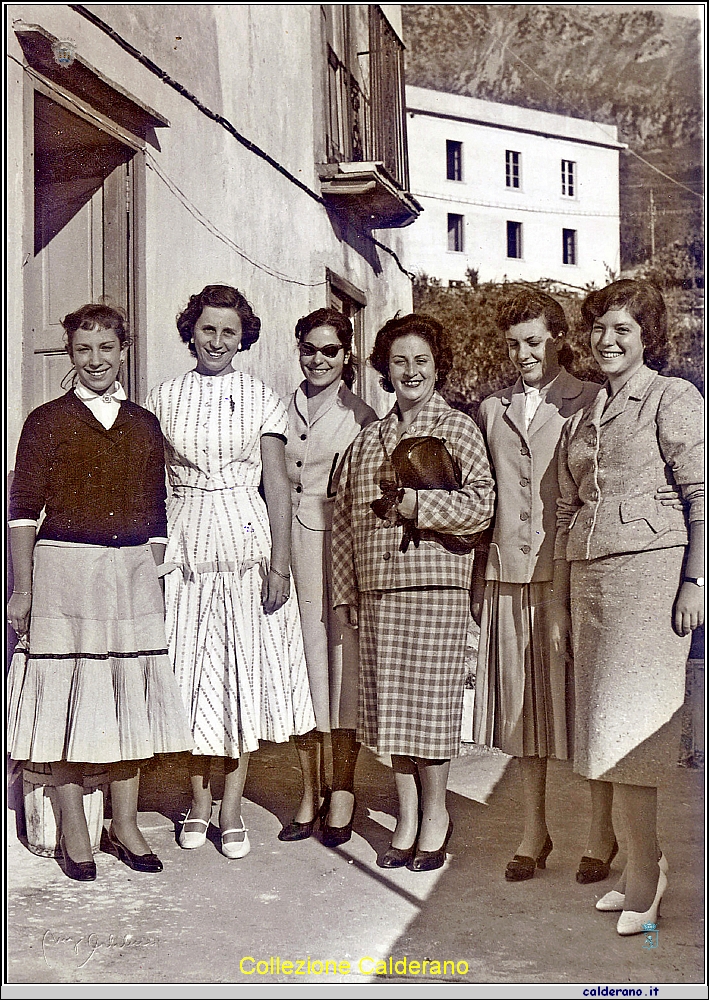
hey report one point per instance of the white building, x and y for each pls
(511, 192)
(155, 148)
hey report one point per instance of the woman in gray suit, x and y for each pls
(524, 683)
(636, 568)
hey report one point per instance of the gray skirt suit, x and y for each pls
(626, 552)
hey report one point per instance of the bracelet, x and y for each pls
(282, 575)
(22, 593)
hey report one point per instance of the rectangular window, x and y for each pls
(569, 246)
(514, 239)
(351, 302)
(568, 178)
(454, 160)
(455, 232)
(512, 168)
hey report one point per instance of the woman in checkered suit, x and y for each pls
(411, 603)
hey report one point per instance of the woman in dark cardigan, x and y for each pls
(91, 681)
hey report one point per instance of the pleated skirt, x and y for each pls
(94, 683)
(412, 670)
(331, 652)
(630, 666)
(523, 690)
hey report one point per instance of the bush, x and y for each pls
(680, 265)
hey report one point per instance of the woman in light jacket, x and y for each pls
(636, 572)
(324, 417)
(524, 683)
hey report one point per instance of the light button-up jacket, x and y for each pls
(316, 448)
(612, 459)
(524, 462)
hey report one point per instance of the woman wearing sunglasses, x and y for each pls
(324, 418)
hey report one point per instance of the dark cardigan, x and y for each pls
(97, 486)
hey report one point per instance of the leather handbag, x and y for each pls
(424, 463)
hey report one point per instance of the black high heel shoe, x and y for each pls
(595, 869)
(398, 857)
(522, 867)
(301, 831)
(333, 836)
(138, 862)
(80, 871)
(395, 857)
(428, 861)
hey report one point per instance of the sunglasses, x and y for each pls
(328, 351)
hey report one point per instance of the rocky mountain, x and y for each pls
(639, 70)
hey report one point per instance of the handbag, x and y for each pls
(424, 463)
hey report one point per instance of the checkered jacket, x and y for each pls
(365, 549)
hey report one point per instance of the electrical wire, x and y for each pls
(219, 119)
(572, 212)
(175, 190)
(204, 221)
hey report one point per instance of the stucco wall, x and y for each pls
(259, 66)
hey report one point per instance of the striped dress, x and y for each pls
(242, 673)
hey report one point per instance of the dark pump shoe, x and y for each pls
(395, 857)
(595, 869)
(333, 836)
(138, 862)
(80, 871)
(522, 867)
(428, 861)
(301, 831)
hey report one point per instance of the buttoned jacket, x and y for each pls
(96, 485)
(524, 464)
(615, 454)
(316, 448)
(366, 549)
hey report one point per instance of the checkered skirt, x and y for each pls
(412, 670)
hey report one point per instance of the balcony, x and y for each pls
(367, 192)
(367, 173)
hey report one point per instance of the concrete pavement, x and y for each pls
(205, 919)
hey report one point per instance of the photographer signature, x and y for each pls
(85, 946)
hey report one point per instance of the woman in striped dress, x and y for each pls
(233, 633)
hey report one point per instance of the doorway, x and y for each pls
(82, 238)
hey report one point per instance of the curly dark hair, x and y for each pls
(644, 301)
(345, 334)
(527, 304)
(219, 297)
(96, 316)
(419, 325)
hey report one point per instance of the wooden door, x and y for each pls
(81, 241)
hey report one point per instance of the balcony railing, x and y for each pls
(370, 127)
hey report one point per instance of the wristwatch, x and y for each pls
(697, 580)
